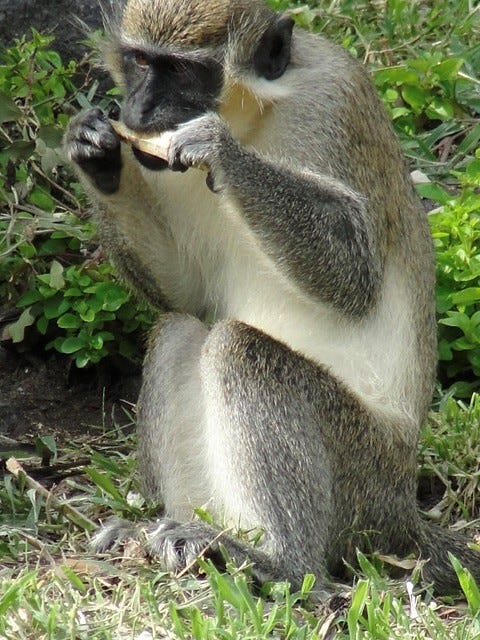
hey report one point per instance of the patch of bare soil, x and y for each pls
(48, 396)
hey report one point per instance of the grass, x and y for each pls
(52, 587)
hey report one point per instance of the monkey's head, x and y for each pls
(174, 58)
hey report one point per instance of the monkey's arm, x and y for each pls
(316, 229)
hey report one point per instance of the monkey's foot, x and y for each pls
(176, 545)
(114, 534)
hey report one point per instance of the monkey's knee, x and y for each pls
(264, 366)
(175, 331)
(231, 343)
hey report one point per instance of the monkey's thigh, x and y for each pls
(267, 459)
(171, 417)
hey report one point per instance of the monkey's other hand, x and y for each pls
(94, 146)
(198, 143)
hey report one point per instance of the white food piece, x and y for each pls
(155, 144)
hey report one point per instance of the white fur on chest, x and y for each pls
(217, 253)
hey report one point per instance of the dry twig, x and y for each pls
(75, 516)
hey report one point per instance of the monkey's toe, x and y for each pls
(113, 534)
(179, 545)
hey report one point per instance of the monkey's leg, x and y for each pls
(271, 466)
(175, 455)
(171, 417)
(226, 419)
(266, 438)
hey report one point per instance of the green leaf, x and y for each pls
(457, 319)
(51, 136)
(468, 584)
(88, 315)
(46, 444)
(444, 301)
(462, 389)
(112, 295)
(69, 321)
(8, 109)
(29, 298)
(16, 330)
(75, 580)
(106, 336)
(73, 292)
(71, 345)
(440, 108)
(359, 599)
(54, 307)
(42, 325)
(467, 296)
(395, 75)
(57, 280)
(448, 69)
(42, 199)
(20, 150)
(434, 192)
(416, 97)
(462, 344)
(444, 350)
(103, 481)
(82, 360)
(96, 342)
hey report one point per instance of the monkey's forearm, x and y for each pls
(316, 229)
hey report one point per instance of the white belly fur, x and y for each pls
(376, 358)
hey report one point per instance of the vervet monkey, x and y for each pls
(298, 411)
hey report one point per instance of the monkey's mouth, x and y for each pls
(150, 162)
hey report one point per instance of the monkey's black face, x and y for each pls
(164, 90)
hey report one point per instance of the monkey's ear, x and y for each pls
(273, 53)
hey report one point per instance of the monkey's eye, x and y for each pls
(141, 60)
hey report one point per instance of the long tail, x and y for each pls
(434, 544)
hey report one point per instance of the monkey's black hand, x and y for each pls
(92, 143)
(198, 143)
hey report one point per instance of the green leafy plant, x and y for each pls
(450, 452)
(93, 314)
(49, 268)
(456, 232)
(430, 99)
(424, 87)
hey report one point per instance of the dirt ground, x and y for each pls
(40, 396)
(61, 18)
